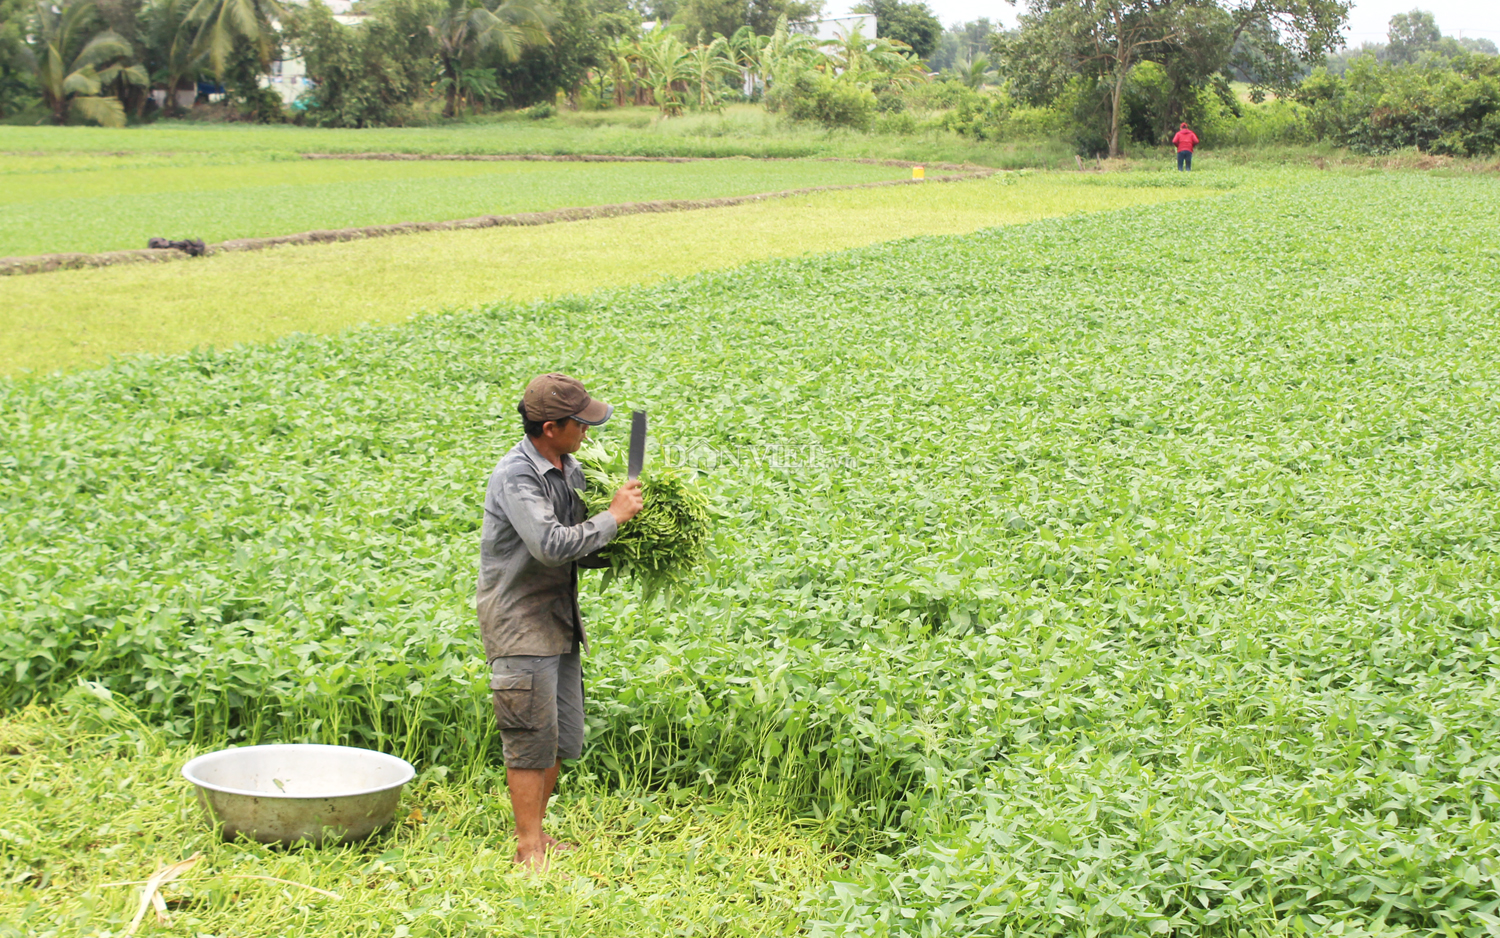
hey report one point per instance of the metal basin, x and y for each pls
(299, 792)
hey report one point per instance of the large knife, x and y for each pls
(637, 444)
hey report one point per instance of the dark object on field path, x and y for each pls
(193, 246)
(43, 263)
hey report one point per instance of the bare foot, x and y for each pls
(534, 860)
(558, 846)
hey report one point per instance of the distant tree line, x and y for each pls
(1109, 73)
(1412, 39)
(1106, 74)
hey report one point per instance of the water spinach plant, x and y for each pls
(663, 545)
(1131, 573)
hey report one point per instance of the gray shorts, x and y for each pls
(539, 708)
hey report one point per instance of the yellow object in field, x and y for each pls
(919, 172)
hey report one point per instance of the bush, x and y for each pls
(998, 117)
(815, 97)
(902, 124)
(1451, 109)
(940, 95)
(1272, 124)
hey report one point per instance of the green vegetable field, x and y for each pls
(55, 204)
(1131, 573)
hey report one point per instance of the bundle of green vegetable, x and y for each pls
(662, 544)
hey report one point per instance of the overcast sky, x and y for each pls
(1367, 21)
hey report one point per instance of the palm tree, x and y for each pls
(464, 27)
(973, 72)
(222, 22)
(169, 37)
(710, 65)
(73, 64)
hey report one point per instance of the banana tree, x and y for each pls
(744, 49)
(620, 57)
(474, 87)
(785, 53)
(710, 65)
(873, 62)
(849, 52)
(73, 63)
(897, 63)
(667, 67)
(464, 27)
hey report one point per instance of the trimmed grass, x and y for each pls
(90, 803)
(81, 317)
(95, 206)
(741, 130)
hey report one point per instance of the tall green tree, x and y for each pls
(1101, 41)
(908, 21)
(582, 38)
(701, 20)
(1410, 34)
(962, 42)
(366, 75)
(763, 15)
(74, 60)
(1275, 41)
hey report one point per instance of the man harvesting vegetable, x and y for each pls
(534, 535)
(1184, 141)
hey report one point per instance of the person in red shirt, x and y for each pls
(1184, 142)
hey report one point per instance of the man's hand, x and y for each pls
(627, 501)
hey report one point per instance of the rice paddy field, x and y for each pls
(1127, 572)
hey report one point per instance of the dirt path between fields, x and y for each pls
(43, 263)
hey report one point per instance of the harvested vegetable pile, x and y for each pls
(665, 542)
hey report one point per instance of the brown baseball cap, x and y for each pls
(556, 397)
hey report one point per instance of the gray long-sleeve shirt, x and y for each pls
(534, 533)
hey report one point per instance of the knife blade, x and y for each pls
(637, 443)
